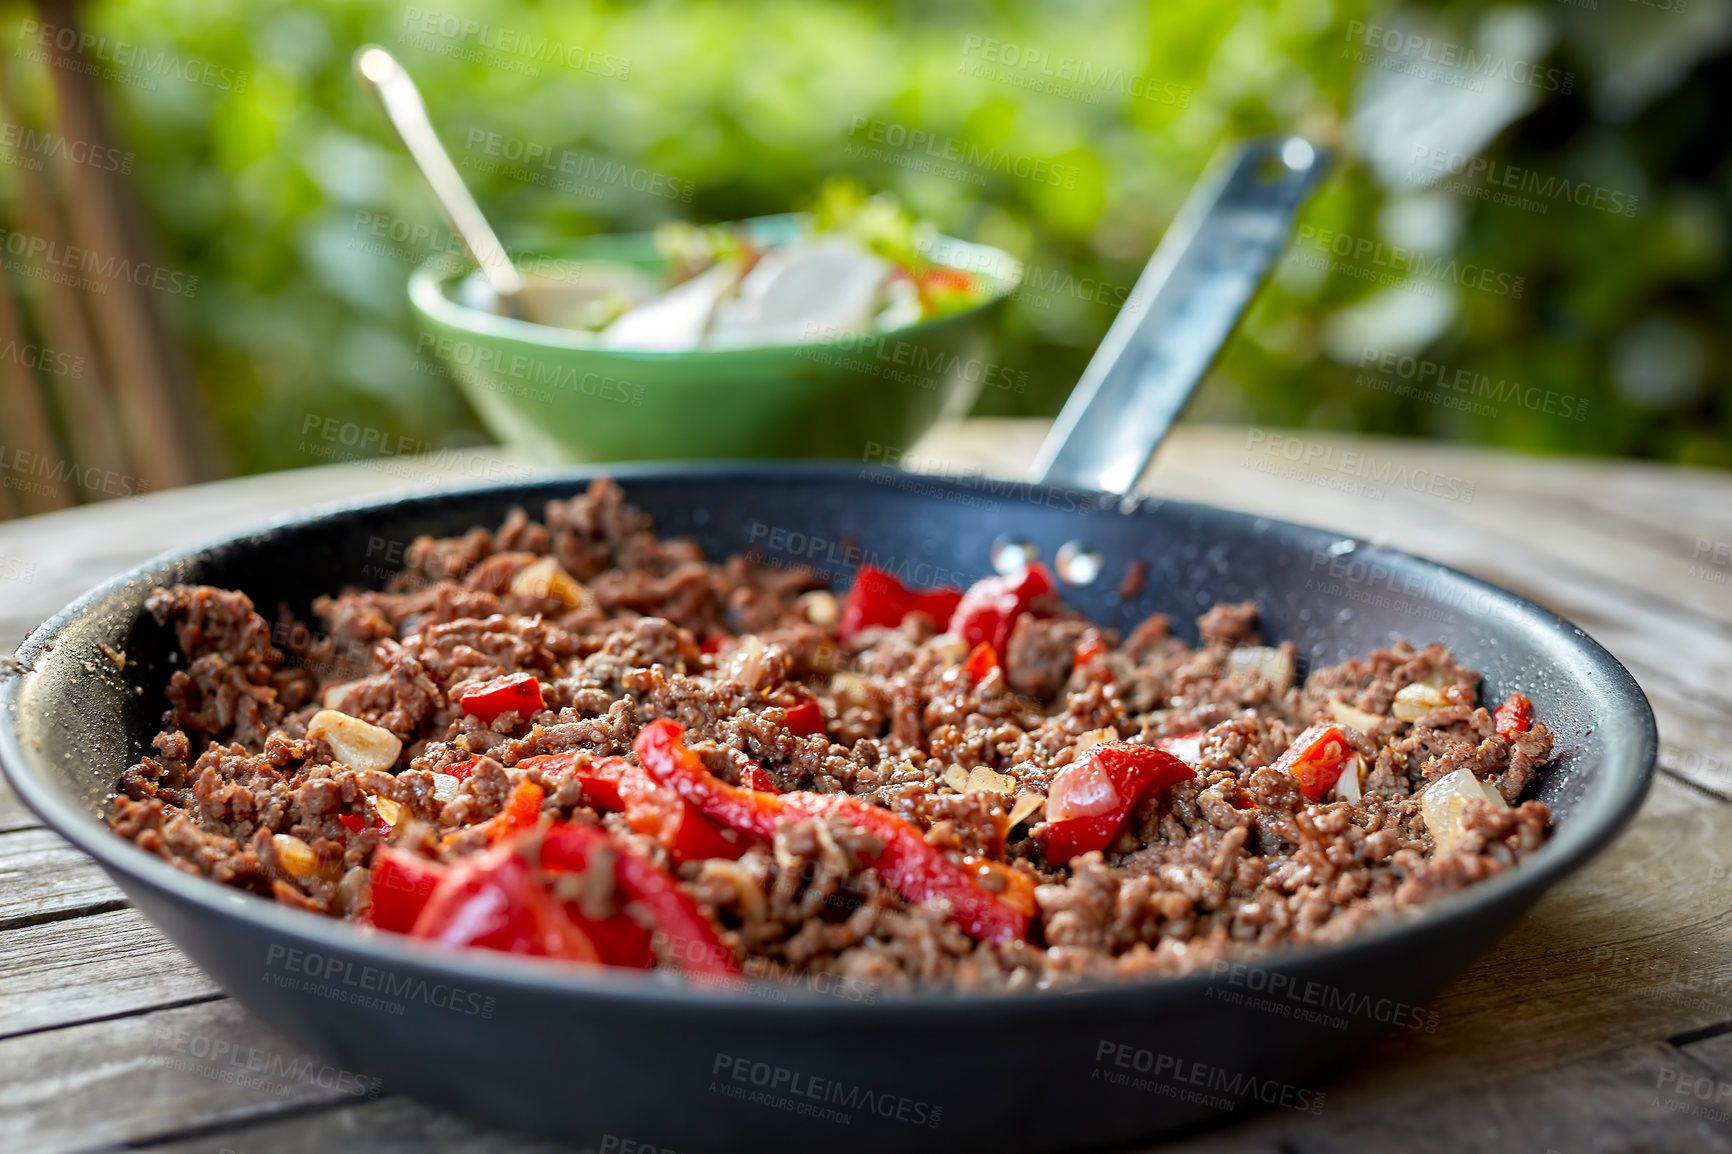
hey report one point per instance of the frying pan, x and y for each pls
(607, 1058)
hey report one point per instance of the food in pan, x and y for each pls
(570, 739)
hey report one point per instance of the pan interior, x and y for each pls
(77, 720)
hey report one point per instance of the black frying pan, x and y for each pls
(610, 1057)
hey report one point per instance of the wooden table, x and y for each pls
(1603, 1022)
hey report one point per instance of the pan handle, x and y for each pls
(1204, 272)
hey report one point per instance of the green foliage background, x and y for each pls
(265, 193)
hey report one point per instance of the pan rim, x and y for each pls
(1606, 809)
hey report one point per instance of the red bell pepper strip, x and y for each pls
(988, 611)
(615, 784)
(1079, 835)
(598, 776)
(402, 883)
(982, 659)
(917, 871)
(1091, 798)
(519, 692)
(355, 823)
(462, 770)
(1316, 759)
(621, 940)
(755, 776)
(1513, 716)
(684, 936)
(680, 826)
(522, 811)
(1091, 646)
(1187, 747)
(493, 901)
(877, 598)
(805, 719)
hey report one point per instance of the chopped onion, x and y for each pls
(358, 744)
(1445, 801)
(1095, 737)
(984, 780)
(851, 689)
(1353, 716)
(1347, 785)
(746, 662)
(949, 649)
(1187, 747)
(1276, 665)
(1026, 804)
(1081, 789)
(354, 891)
(956, 778)
(1414, 701)
(445, 786)
(751, 896)
(294, 855)
(390, 811)
(821, 608)
(545, 579)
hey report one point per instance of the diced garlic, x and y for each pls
(294, 855)
(358, 744)
(1026, 804)
(545, 579)
(1276, 665)
(1353, 716)
(1416, 700)
(821, 608)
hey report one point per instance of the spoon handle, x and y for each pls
(1204, 272)
(380, 73)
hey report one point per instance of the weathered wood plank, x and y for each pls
(127, 1080)
(13, 814)
(43, 878)
(65, 972)
(1625, 1100)
(388, 1126)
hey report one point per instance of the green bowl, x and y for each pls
(562, 398)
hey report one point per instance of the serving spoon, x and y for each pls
(380, 74)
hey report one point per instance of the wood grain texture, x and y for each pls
(154, 1074)
(79, 969)
(13, 813)
(1597, 1024)
(389, 1126)
(42, 879)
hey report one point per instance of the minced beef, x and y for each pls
(1232, 862)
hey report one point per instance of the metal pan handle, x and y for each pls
(1204, 273)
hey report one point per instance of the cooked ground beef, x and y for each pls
(629, 629)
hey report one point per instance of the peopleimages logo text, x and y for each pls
(1412, 46)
